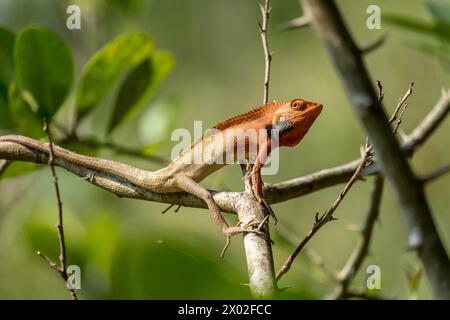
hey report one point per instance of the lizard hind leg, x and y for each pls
(192, 187)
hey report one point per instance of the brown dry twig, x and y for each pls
(328, 215)
(62, 267)
(265, 13)
(399, 111)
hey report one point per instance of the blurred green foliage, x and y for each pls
(43, 67)
(116, 94)
(41, 77)
(437, 32)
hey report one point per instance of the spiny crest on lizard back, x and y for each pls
(233, 121)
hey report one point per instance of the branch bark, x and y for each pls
(258, 251)
(406, 188)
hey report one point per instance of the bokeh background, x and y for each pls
(128, 249)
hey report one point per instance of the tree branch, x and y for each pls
(407, 189)
(258, 251)
(274, 193)
(429, 124)
(374, 45)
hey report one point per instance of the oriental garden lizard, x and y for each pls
(289, 121)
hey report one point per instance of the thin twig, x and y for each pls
(437, 173)
(296, 23)
(328, 215)
(311, 254)
(351, 267)
(380, 91)
(62, 268)
(429, 124)
(265, 12)
(401, 103)
(374, 45)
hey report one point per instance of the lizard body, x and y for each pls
(291, 121)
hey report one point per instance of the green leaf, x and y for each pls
(440, 11)
(26, 121)
(6, 56)
(438, 31)
(5, 118)
(409, 23)
(139, 85)
(106, 67)
(44, 67)
(438, 49)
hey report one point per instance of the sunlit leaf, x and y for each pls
(155, 123)
(106, 67)
(44, 67)
(410, 23)
(139, 85)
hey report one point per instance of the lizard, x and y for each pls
(290, 121)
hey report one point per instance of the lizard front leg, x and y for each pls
(257, 182)
(192, 187)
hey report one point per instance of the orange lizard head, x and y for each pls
(293, 120)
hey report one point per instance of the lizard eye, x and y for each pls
(298, 104)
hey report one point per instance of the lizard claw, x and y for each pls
(245, 228)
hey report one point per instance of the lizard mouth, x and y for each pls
(313, 112)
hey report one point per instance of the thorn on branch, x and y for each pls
(361, 249)
(401, 103)
(170, 207)
(437, 173)
(380, 92)
(375, 45)
(326, 217)
(296, 23)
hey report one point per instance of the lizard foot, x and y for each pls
(245, 228)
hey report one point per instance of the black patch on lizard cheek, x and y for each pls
(282, 127)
